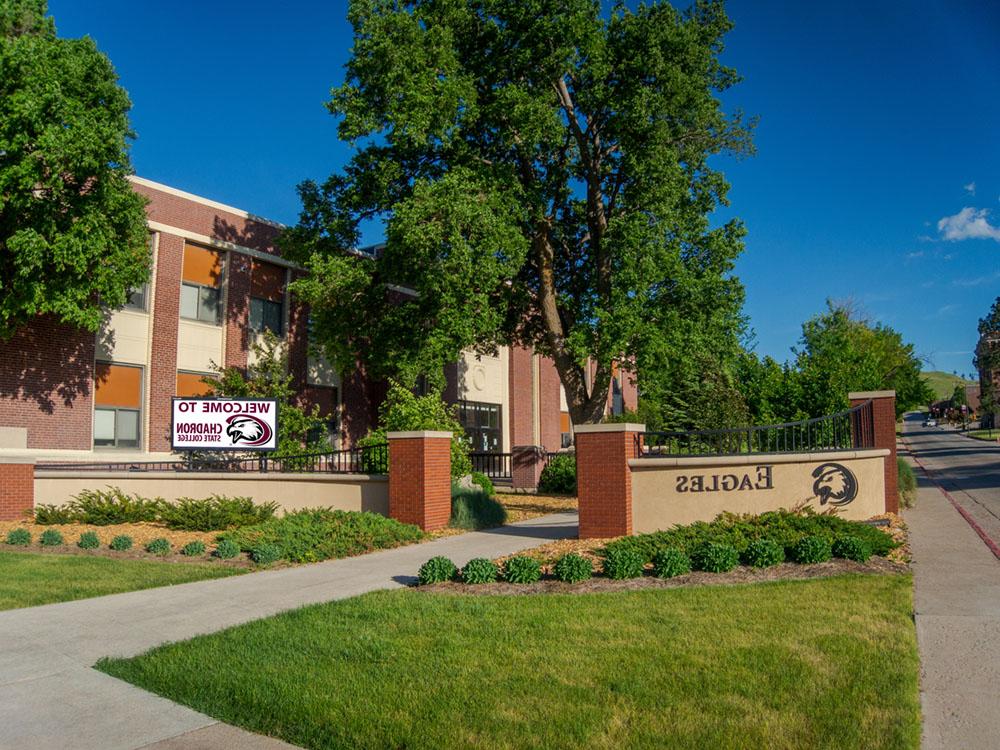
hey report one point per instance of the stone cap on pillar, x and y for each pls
(610, 427)
(419, 434)
(18, 460)
(865, 395)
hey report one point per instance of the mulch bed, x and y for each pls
(523, 507)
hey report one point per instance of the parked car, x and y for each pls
(930, 422)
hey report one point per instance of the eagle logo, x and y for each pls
(835, 484)
(246, 429)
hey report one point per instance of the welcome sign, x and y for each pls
(234, 424)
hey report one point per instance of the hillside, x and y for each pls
(943, 383)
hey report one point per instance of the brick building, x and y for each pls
(217, 282)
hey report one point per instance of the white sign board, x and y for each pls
(224, 424)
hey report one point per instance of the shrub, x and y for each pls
(484, 482)
(851, 548)
(226, 549)
(50, 514)
(88, 540)
(474, 509)
(193, 549)
(572, 568)
(671, 562)
(763, 553)
(713, 557)
(266, 553)
(121, 543)
(479, 570)
(51, 538)
(907, 483)
(559, 474)
(19, 537)
(216, 512)
(159, 546)
(436, 570)
(522, 569)
(112, 505)
(811, 549)
(623, 562)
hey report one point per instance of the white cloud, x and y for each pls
(968, 224)
(978, 280)
(970, 188)
(915, 255)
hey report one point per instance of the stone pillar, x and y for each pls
(526, 464)
(17, 488)
(604, 479)
(420, 478)
(883, 427)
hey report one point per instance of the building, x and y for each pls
(217, 282)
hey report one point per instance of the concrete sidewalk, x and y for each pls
(51, 698)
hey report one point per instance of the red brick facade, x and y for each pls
(17, 490)
(884, 424)
(420, 478)
(162, 375)
(604, 479)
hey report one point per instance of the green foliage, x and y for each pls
(51, 538)
(987, 360)
(480, 570)
(321, 534)
(521, 569)
(437, 570)
(19, 537)
(159, 546)
(559, 474)
(572, 568)
(266, 553)
(51, 514)
(484, 482)
(73, 236)
(193, 549)
(811, 549)
(474, 509)
(88, 540)
(112, 506)
(713, 557)
(851, 548)
(623, 562)
(121, 543)
(213, 513)
(907, 483)
(670, 562)
(763, 553)
(226, 549)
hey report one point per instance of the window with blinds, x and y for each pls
(117, 406)
(202, 278)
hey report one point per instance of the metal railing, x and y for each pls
(493, 465)
(847, 430)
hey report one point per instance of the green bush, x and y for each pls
(811, 549)
(907, 483)
(226, 549)
(479, 570)
(193, 549)
(121, 543)
(763, 553)
(436, 570)
(572, 568)
(51, 538)
(670, 562)
(474, 509)
(159, 546)
(111, 506)
(484, 482)
(522, 569)
(19, 537)
(266, 553)
(851, 548)
(88, 540)
(216, 512)
(713, 557)
(50, 514)
(559, 475)
(622, 562)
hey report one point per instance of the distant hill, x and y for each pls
(943, 383)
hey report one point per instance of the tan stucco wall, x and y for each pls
(657, 502)
(289, 491)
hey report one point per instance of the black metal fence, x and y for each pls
(493, 465)
(846, 430)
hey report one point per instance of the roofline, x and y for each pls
(203, 201)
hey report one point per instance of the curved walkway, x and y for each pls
(50, 697)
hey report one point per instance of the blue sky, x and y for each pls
(876, 179)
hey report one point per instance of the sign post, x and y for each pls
(224, 424)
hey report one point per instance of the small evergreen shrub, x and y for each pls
(226, 549)
(484, 482)
(522, 569)
(215, 513)
(713, 557)
(88, 540)
(479, 570)
(811, 549)
(19, 537)
(763, 553)
(559, 475)
(474, 509)
(622, 562)
(51, 538)
(193, 549)
(50, 514)
(111, 506)
(851, 548)
(436, 570)
(671, 562)
(907, 483)
(121, 543)
(266, 553)
(573, 568)
(159, 546)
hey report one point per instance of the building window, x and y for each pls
(565, 430)
(201, 285)
(617, 398)
(193, 385)
(266, 315)
(117, 406)
(267, 297)
(138, 299)
(483, 425)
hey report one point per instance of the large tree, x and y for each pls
(988, 362)
(543, 173)
(73, 239)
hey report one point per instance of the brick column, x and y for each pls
(884, 429)
(237, 310)
(162, 381)
(17, 488)
(526, 464)
(420, 478)
(604, 479)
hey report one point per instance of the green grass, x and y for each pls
(990, 435)
(827, 663)
(943, 383)
(27, 580)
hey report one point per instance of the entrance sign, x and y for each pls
(224, 424)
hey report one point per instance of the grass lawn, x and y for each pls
(828, 663)
(29, 579)
(990, 435)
